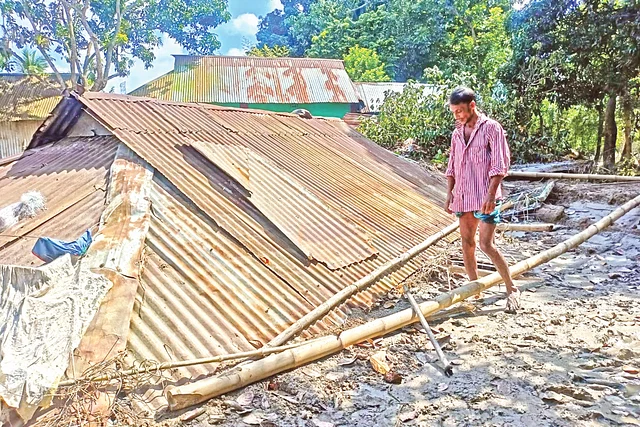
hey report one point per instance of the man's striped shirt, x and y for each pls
(473, 164)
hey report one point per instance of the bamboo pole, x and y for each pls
(200, 391)
(582, 176)
(504, 226)
(360, 285)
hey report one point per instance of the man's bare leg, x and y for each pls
(488, 246)
(468, 227)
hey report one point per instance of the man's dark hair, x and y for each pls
(462, 95)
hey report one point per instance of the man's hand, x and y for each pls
(489, 205)
(447, 203)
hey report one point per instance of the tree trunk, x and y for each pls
(610, 134)
(541, 123)
(600, 110)
(627, 112)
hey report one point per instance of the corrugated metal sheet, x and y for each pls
(198, 280)
(296, 211)
(374, 94)
(252, 80)
(24, 97)
(25, 101)
(15, 136)
(72, 177)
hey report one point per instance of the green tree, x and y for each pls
(364, 65)
(100, 39)
(269, 52)
(414, 114)
(578, 53)
(30, 62)
(275, 27)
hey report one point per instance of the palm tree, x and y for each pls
(4, 61)
(32, 63)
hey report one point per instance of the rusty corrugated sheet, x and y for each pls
(219, 276)
(252, 80)
(25, 101)
(72, 176)
(295, 211)
(199, 281)
(116, 252)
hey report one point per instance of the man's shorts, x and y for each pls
(492, 218)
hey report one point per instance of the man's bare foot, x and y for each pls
(513, 302)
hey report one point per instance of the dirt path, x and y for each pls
(570, 358)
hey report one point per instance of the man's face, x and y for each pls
(463, 112)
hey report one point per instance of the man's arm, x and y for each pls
(489, 204)
(451, 182)
(450, 174)
(500, 162)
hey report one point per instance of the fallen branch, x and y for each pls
(505, 226)
(387, 268)
(151, 367)
(582, 176)
(200, 391)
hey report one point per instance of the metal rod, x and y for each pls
(446, 365)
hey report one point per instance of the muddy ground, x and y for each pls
(570, 357)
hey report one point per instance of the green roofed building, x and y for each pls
(320, 86)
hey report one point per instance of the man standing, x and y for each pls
(478, 162)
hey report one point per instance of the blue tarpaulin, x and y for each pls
(48, 249)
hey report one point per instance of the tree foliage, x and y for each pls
(578, 53)
(269, 52)
(364, 65)
(545, 69)
(100, 39)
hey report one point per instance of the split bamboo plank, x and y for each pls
(190, 394)
(581, 176)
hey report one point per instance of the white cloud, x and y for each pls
(246, 24)
(275, 4)
(234, 51)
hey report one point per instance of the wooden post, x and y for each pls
(190, 394)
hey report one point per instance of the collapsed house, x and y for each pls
(216, 228)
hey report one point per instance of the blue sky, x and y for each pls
(243, 26)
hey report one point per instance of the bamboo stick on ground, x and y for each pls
(581, 176)
(505, 226)
(200, 391)
(359, 286)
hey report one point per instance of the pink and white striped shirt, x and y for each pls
(473, 164)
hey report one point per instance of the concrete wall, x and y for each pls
(15, 136)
